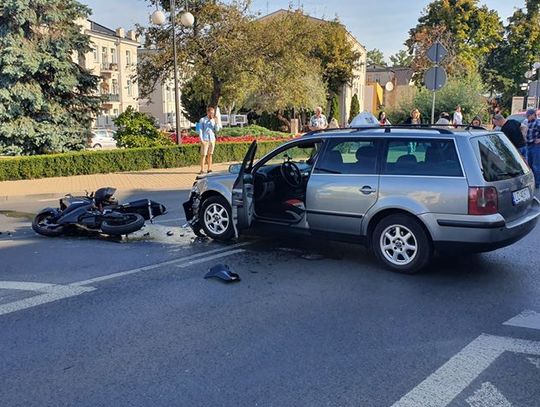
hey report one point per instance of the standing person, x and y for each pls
(514, 130)
(207, 135)
(476, 122)
(533, 144)
(333, 124)
(444, 119)
(458, 117)
(318, 120)
(414, 118)
(383, 120)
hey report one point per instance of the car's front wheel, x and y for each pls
(216, 218)
(401, 244)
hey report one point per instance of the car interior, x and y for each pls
(280, 183)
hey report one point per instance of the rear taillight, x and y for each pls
(483, 200)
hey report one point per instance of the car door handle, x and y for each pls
(366, 189)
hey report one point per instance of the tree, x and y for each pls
(355, 107)
(463, 90)
(334, 109)
(507, 64)
(401, 59)
(136, 129)
(46, 99)
(469, 32)
(375, 57)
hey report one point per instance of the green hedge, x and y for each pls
(107, 161)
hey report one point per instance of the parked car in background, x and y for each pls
(102, 138)
(456, 190)
(521, 116)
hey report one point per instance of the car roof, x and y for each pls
(427, 131)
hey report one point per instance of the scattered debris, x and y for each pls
(253, 271)
(223, 272)
(146, 234)
(312, 256)
(170, 233)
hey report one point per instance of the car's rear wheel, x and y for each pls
(401, 244)
(216, 218)
(97, 146)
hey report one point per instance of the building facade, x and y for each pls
(113, 57)
(389, 88)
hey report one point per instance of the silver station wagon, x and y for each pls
(403, 192)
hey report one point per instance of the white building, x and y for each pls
(114, 58)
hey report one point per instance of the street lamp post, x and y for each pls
(536, 66)
(187, 20)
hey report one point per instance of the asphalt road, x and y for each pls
(88, 322)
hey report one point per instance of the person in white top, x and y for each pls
(458, 117)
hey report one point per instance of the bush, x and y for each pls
(355, 108)
(136, 129)
(251, 130)
(107, 161)
(334, 109)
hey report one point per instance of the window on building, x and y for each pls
(104, 55)
(113, 55)
(96, 55)
(115, 87)
(115, 112)
(129, 88)
(128, 57)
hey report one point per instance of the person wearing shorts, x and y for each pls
(207, 135)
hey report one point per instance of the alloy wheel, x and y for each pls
(398, 245)
(216, 218)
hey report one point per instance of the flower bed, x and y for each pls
(235, 139)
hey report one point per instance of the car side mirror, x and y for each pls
(235, 168)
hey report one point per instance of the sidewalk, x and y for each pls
(153, 179)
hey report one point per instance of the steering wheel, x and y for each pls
(291, 174)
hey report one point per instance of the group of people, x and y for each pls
(526, 138)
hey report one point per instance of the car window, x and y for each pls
(498, 158)
(348, 157)
(300, 153)
(427, 157)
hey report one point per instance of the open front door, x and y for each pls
(242, 193)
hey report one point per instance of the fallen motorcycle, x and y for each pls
(99, 212)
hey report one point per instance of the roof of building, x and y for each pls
(282, 11)
(101, 29)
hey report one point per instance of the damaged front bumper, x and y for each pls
(191, 209)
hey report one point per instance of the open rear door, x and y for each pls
(242, 193)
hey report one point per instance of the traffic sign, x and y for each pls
(436, 52)
(435, 78)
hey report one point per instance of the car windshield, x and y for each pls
(498, 158)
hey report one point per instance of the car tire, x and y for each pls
(97, 146)
(401, 244)
(215, 217)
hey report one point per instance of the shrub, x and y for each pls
(252, 130)
(334, 109)
(355, 108)
(107, 161)
(136, 129)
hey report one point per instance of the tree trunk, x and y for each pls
(216, 91)
(286, 122)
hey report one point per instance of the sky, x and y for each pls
(382, 24)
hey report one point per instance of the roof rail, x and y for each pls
(388, 129)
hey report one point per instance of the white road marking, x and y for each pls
(216, 256)
(488, 396)
(157, 265)
(527, 319)
(535, 362)
(54, 292)
(441, 387)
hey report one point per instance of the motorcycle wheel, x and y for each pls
(130, 223)
(44, 225)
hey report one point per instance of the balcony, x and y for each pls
(110, 98)
(109, 67)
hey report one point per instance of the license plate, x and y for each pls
(520, 196)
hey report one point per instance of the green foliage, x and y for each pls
(375, 57)
(463, 90)
(107, 161)
(45, 98)
(355, 107)
(195, 97)
(468, 31)
(136, 129)
(251, 130)
(334, 109)
(507, 64)
(401, 59)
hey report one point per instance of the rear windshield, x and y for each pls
(498, 158)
